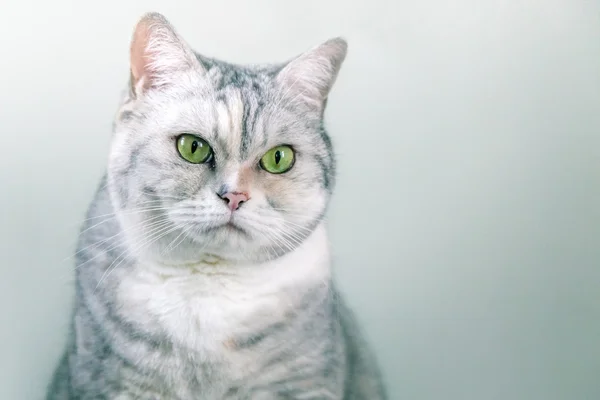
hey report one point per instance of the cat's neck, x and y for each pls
(203, 306)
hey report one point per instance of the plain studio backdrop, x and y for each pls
(466, 222)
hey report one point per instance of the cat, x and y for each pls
(203, 270)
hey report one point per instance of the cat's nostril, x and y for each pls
(224, 198)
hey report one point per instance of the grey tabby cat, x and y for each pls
(203, 269)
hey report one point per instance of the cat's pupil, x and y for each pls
(194, 146)
(277, 157)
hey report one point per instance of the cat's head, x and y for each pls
(213, 158)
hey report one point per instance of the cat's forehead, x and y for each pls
(236, 115)
(247, 113)
(224, 74)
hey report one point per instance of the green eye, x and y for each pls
(193, 149)
(278, 160)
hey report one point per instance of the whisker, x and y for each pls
(292, 238)
(274, 239)
(113, 236)
(289, 211)
(278, 219)
(125, 212)
(114, 216)
(174, 240)
(277, 239)
(295, 236)
(154, 224)
(163, 196)
(185, 231)
(162, 231)
(270, 248)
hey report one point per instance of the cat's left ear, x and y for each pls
(157, 54)
(310, 77)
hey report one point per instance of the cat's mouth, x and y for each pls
(232, 226)
(228, 227)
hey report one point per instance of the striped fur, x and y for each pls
(172, 304)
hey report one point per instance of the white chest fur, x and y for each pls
(202, 307)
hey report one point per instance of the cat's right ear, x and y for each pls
(157, 54)
(309, 77)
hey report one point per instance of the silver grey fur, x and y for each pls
(154, 210)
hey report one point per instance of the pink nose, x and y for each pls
(234, 199)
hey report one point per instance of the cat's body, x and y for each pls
(203, 333)
(181, 296)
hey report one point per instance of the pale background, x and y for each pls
(466, 224)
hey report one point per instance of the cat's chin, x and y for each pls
(228, 243)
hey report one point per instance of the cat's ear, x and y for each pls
(310, 76)
(158, 53)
